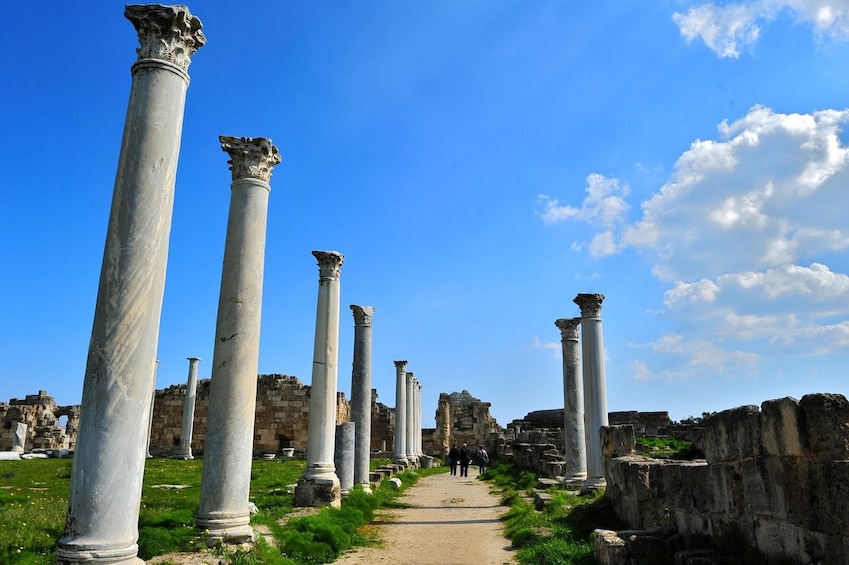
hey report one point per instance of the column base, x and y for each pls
(81, 550)
(400, 460)
(366, 488)
(232, 530)
(575, 480)
(593, 484)
(318, 491)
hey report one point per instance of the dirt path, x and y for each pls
(452, 520)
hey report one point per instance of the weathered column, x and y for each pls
(411, 424)
(152, 405)
(443, 423)
(399, 454)
(189, 410)
(595, 388)
(343, 455)
(19, 439)
(106, 481)
(320, 486)
(419, 418)
(228, 447)
(361, 394)
(575, 449)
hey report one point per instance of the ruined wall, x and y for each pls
(382, 426)
(775, 479)
(41, 415)
(463, 419)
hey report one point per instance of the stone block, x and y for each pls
(727, 481)
(609, 548)
(733, 434)
(617, 441)
(826, 425)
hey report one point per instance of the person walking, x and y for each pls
(453, 458)
(483, 459)
(464, 461)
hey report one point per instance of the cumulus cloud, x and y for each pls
(731, 28)
(686, 358)
(555, 348)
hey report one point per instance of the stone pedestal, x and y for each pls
(226, 480)
(105, 491)
(575, 450)
(343, 456)
(595, 387)
(320, 486)
(361, 394)
(189, 410)
(399, 454)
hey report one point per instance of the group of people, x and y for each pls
(463, 457)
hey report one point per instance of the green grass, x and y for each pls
(560, 534)
(34, 498)
(670, 448)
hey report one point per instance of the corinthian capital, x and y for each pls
(399, 365)
(169, 33)
(329, 264)
(250, 157)
(590, 305)
(568, 328)
(362, 315)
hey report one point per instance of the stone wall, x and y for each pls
(41, 415)
(461, 418)
(775, 479)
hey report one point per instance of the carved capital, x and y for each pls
(329, 264)
(399, 365)
(250, 157)
(169, 33)
(362, 315)
(410, 377)
(590, 305)
(568, 328)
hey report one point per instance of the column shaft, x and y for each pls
(361, 393)
(399, 454)
(575, 450)
(411, 424)
(189, 410)
(105, 490)
(595, 389)
(152, 406)
(228, 448)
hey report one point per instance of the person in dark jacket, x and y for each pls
(465, 459)
(453, 458)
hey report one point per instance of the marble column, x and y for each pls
(343, 455)
(361, 394)
(106, 480)
(595, 388)
(419, 418)
(152, 406)
(443, 424)
(320, 485)
(189, 410)
(411, 424)
(575, 449)
(399, 454)
(228, 447)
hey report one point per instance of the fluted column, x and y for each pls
(361, 393)
(575, 449)
(411, 424)
(106, 481)
(228, 448)
(152, 406)
(399, 455)
(320, 486)
(595, 387)
(189, 410)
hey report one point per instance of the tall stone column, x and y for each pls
(575, 449)
(411, 424)
(443, 424)
(152, 406)
(320, 486)
(595, 387)
(228, 448)
(106, 481)
(399, 455)
(419, 418)
(361, 394)
(189, 410)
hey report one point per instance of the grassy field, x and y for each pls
(34, 497)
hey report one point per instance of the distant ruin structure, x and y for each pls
(41, 416)
(462, 418)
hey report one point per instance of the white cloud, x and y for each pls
(685, 358)
(728, 29)
(555, 347)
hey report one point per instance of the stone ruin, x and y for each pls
(40, 413)
(462, 418)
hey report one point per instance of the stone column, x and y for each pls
(19, 439)
(595, 388)
(106, 481)
(189, 410)
(152, 406)
(419, 418)
(411, 424)
(343, 455)
(575, 449)
(228, 448)
(361, 395)
(399, 454)
(320, 486)
(443, 423)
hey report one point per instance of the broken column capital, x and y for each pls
(568, 328)
(362, 315)
(167, 33)
(250, 157)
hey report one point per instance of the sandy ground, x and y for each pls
(452, 520)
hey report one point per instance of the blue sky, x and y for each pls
(479, 164)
